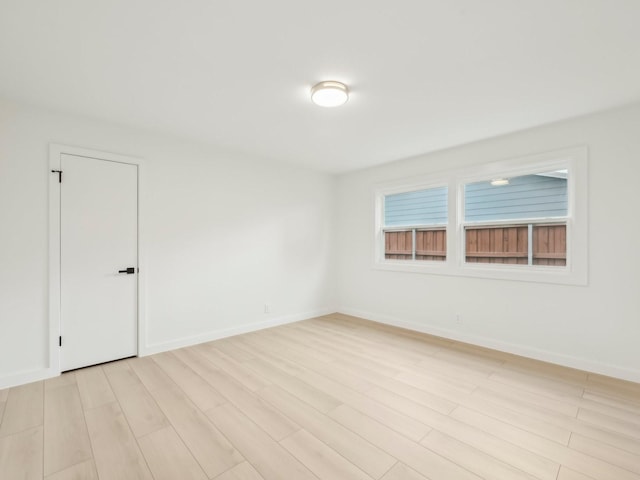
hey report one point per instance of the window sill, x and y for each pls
(522, 273)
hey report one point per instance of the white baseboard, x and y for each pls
(229, 332)
(27, 376)
(623, 373)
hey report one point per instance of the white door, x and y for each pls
(98, 243)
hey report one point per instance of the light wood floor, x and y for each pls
(330, 398)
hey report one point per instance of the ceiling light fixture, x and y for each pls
(329, 94)
(498, 182)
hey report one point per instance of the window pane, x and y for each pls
(510, 244)
(431, 245)
(550, 245)
(505, 244)
(542, 195)
(414, 212)
(420, 207)
(398, 245)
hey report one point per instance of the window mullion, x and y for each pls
(413, 244)
(530, 244)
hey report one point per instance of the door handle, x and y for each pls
(128, 271)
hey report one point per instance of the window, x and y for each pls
(415, 225)
(521, 219)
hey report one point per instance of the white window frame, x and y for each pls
(401, 228)
(416, 184)
(575, 160)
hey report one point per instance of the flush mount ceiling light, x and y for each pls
(498, 182)
(329, 94)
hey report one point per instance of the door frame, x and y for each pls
(55, 152)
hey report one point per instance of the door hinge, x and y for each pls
(59, 172)
(59, 341)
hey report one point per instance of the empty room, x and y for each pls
(328, 240)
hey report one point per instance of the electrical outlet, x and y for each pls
(458, 318)
(267, 308)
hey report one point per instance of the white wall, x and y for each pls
(596, 327)
(222, 236)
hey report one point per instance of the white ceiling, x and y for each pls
(424, 75)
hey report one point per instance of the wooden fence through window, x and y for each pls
(430, 245)
(487, 244)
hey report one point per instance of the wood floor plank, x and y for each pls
(142, 411)
(265, 454)
(168, 457)
(567, 474)
(610, 423)
(313, 396)
(296, 363)
(210, 448)
(401, 340)
(542, 428)
(193, 385)
(281, 340)
(260, 412)
(432, 383)
(290, 363)
(540, 385)
(414, 455)
(139, 407)
(357, 344)
(369, 340)
(401, 472)
(63, 380)
(565, 374)
(565, 422)
(628, 405)
(23, 408)
(487, 442)
(192, 357)
(326, 383)
(326, 463)
(229, 348)
(623, 411)
(395, 420)
(445, 367)
(563, 407)
(94, 387)
(373, 460)
(242, 471)
(21, 455)
(237, 370)
(115, 450)
(82, 471)
(150, 373)
(120, 376)
(472, 459)
(467, 364)
(566, 456)
(335, 352)
(333, 371)
(605, 452)
(612, 386)
(66, 440)
(429, 399)
(285, 363)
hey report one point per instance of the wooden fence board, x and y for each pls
(487, 244)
